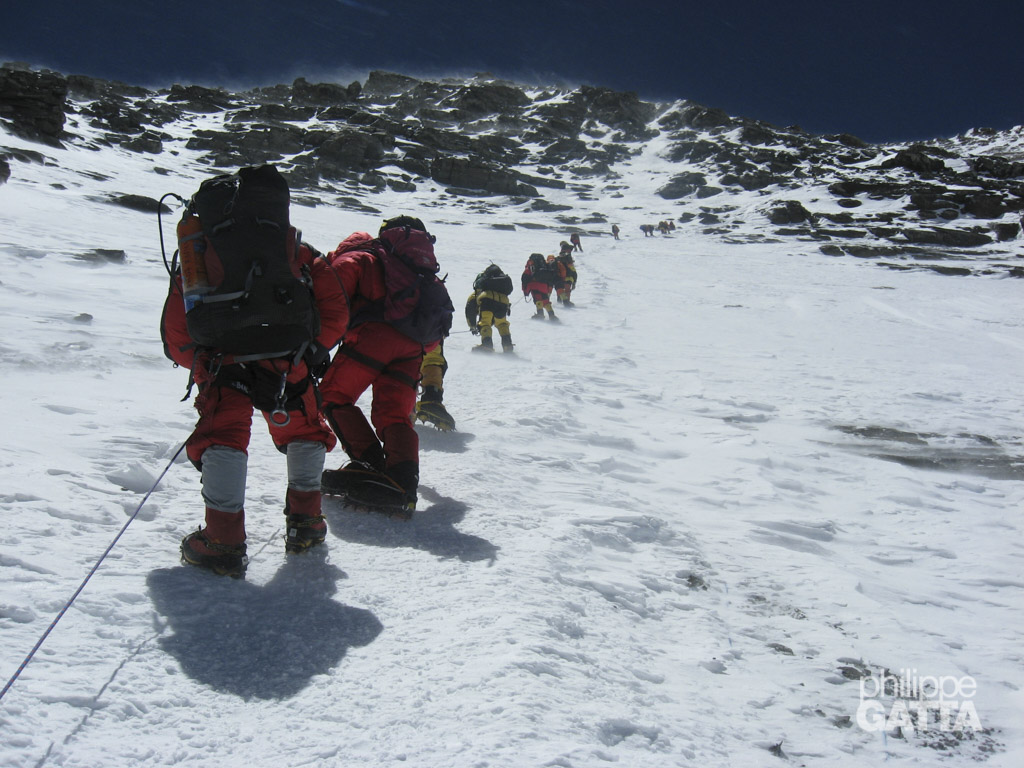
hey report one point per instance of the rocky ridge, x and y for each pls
(567, 159)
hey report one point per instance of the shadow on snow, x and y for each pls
(444, 442)
(262, 642)
(431, 530)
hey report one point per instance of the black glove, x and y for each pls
(317, 359)
(474, 330)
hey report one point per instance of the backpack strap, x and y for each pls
(383, 368)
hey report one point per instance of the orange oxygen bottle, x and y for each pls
(195, 280)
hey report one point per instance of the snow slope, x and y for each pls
(675, 529)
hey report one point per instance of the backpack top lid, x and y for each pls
(403, 221)
(493, 271)
(258, 193)
(415, 247)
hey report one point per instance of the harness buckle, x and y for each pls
(280, 417)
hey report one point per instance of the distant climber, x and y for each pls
(538, 281)
(488, 307)
(565, 278)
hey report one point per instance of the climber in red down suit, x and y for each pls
(384, 472)
(228, 392)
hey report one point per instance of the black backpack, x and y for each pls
(493, 279)
(540, 270)
(255, 300)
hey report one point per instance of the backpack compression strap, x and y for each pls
(384, 368)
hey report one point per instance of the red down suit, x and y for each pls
(374, 355)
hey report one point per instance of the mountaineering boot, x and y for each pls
(338, 482)
(486, 345)
(223, 559)
(506, 344)
(386, 497)
(538, 315)
(393, 494)
(430, 409)
(551, 315)
(220, 546)
(434, 412)
(305, 526)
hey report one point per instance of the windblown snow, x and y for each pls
(694, 523)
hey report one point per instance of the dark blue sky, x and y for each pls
(893, 70)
